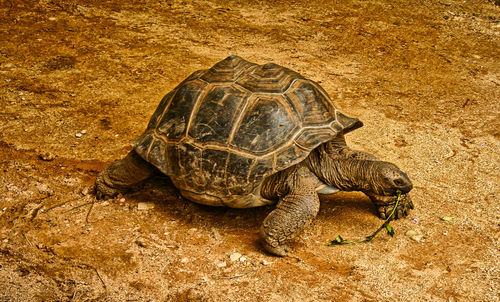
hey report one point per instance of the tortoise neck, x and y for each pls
(347, 174)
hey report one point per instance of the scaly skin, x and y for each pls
(122, 174)
(383, 204)
(333, 164)
(336, 165)
(293, 213)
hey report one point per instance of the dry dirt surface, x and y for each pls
(80, 79)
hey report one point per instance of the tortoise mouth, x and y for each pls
(383, 199)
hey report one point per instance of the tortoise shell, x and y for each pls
(221, 131)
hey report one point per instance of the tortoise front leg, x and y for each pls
(121, 174)
(385, 205)
(292, 214)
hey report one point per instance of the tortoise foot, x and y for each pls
(275, 249)
(386, 205)
(104, 191)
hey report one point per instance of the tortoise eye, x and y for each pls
(398, 182)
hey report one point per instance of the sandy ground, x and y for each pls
(80, 79)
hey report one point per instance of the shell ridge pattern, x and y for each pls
(291, 84)
(260, 100)
(249, 172)
(242, 87)
(325, 95)
(163, 138)
(223, 130)
(238, 119)
(167, 106)
(218, 112)
(226, 163)
(173, 123)
(196, 106)
(181, 176)
(148, 151)
(244, 71)
(275, 161)
(242, 152)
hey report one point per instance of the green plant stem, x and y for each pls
(341, 241)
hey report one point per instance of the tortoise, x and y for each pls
(245, 135)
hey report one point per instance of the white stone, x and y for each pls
(145, 206)
(234, 256)
(221, 264)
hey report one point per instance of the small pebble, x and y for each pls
(78, 135)
(243, 258)
(83, 131)
(264, 262)
(4, 209)
(234, 256)
(140, 242)
(221, 264)
(145, 206)
(445, 234)
(85, 191)
(184, 260)
(122, 199)
(415, 220)
(52, 18)
(46, 156)
(415, 235)
(106, 203)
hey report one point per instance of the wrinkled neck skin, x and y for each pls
(328, 166)
(347, 174)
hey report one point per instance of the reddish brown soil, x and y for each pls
(422, 75)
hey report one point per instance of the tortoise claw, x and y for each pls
(103, 191)
(278, 250)
(384, 209)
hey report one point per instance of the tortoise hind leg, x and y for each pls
(292, 214)
(121, 174)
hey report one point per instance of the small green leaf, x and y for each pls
(390, 230)
(336, 241)
(447, 218)
(341, 241)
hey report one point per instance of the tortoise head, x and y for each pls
(387, 179)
